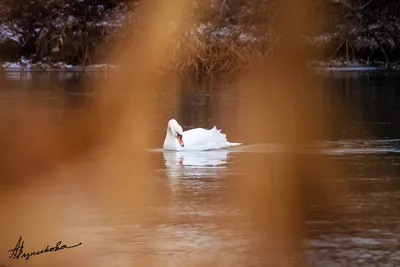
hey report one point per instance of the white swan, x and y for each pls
(194, 139)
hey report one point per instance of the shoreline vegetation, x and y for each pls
(56, 35)
(319, 66)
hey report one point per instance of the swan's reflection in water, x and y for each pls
(196, 181)
(194, 176)
(195, 164)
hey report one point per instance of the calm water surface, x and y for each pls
(368, 144)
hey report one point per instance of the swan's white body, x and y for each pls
(195, 139)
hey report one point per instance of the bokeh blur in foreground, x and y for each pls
(56, 180)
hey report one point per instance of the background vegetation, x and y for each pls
(227, 33)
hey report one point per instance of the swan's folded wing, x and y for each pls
(202, 139)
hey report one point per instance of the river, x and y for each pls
(196, 229)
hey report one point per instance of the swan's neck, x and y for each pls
(169, 142)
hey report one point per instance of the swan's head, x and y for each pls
(176, 130)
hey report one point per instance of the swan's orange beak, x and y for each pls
(180, 140)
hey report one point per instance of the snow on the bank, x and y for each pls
(321, 39)
(12, 65)
(227, 31)
(244, 37)
(7, 33)
(24, 64)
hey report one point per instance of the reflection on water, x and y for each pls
(195, 230)
(195, 164)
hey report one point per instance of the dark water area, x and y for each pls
(372, 99)
(365, 139)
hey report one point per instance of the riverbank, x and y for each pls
(55, 67)
(354, 65)
(217, 43)
(62, 67)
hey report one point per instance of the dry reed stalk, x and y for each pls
(282, 105)
(102, 154)
(200, 52)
